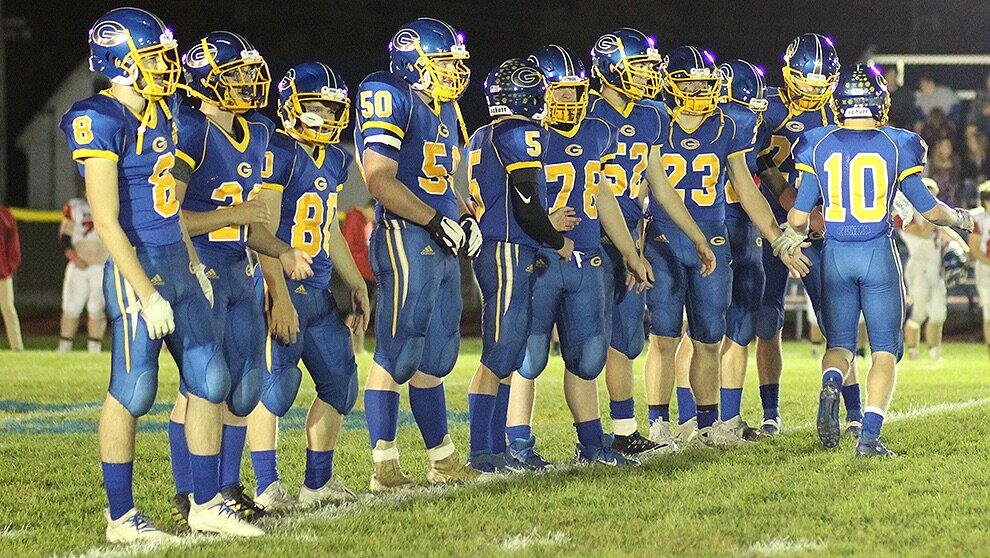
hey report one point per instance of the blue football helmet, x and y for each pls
(133, 47)
(224, 69)
(430, 55)
(692, 83)
(563, 70)
(628, 61)
(305, 85)
(861, 93)
(811, 69)
(516, 87)
(743, 83)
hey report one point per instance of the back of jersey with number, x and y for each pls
(573, 166)
(392, 120)
(225, 171)
(859, 172)
(747, 122)
(309, 186)
(495, 151)
(696, 163)
(101, 126)
(642, 127)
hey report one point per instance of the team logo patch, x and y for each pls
(690, 143)
(160, 144)
(529, 268)
(795, 126)
(405, 40)
(301, 290)
(526, 77)
(249, 270)
(109, 33)
(574, 150)
(717, 240)
(200, 55)
(244, 169)
(157, 280)
(320, 183)
(759, 241)
(627, 130)
(428, 251)
(596, 261)
(661, 238)
(443, 131)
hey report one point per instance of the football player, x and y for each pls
(703, 144)
(855, 169)
(123, 139)
(406, 138)
(82, 286)
(221, 160)
(309, 170)
(979, 249)
(508, 193)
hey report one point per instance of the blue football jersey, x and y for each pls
(695, 163)
(101, 126)
(309, 186)
(573, 166)
(394, 121)
(857, 172)
(495, 150)
(225, 171)
(745, 120)
(642, 127)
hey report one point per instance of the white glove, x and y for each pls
(157, 314)
(903, 209)
(199, 270)
(964, 220)
(447, 232)
(472, 230)
(789, 242)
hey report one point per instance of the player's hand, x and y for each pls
(706, 257)
(361, 310)
(199, 270)
(296, 263)
(640, 273)
(788, 242)
(72, 256)
(472, 235)
(964, 220)
(157, 314)
(564, 219)
(816, 221)
(567, 251)
(797, 263)
(284, 322)
(251, 212)
(446, 232)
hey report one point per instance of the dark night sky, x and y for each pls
(352, 36)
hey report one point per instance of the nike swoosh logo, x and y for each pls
(525, 199)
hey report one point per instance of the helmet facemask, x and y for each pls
(239, 85)
(309, 126)
(444, 75)
(695, 93)
(152, 71)
(566, 112)
(808, 91)
(639, 75)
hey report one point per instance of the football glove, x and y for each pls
(472, 234)
(157, 314)
(446, 232)
(964, 219)
(903, 209)
(199, 270)
(788, 242)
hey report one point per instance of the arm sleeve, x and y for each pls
(804, 155)
(93, 129)
(917, 193)
(383, 117)
(809, 194)
(528, 211)
(743, 136)
(913, 156)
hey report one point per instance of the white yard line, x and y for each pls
(777, 547)
(914, 412)
(534, 538)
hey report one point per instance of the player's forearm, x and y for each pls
(261, 240)
(462, 207)
(772, 179)
(187, 240)
(271, 270)
(611, 219)
(798, 219)
(343, 260)
(674, 207)
(124, 257)
(398, 199)
(976, 251)
(202, 222)
(942, 215)
(752, 201)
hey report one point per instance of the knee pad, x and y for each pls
(279, 390)
(590, 361)
(407, 359)
(139, 398)
(342, 393)
(96, 310)
(245, 393)
(537, 354)
(441, 362)
(213, 383)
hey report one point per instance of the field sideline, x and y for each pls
(782, 497)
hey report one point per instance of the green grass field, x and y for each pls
(781, 497)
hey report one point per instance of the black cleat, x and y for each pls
(180, 511)
(637, 445)
(241, 503)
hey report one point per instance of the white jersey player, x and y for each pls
(82, 287)
(979, 244)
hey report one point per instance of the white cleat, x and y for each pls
(686, 436)
(913, 353)
(216, 516)
(132, 527)
(661, 435)
(275, 498)
(935, 353)
(722, 435)
(333, 492)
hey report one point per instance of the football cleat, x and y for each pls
(241, 503)
(180, 511)
(497, 463)
(388, 477)
(604, 454)
(686, 436)
(828, 415)
(739, 427)
(640, 446)
(523, 452)
(935, 354)
(872, 448)
(333, 492)
(133, 527)
(770, 427)
(450, 470)
(853, 428)
(660, 434)
(216, 516)
(913, 353)
(722, 435)
(275, 498)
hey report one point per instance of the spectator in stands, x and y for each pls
(901, 101)
(936, 127)
(10, 260)
(979, 251)
(975, 164)
(358, 224)
(979, 109)
(931, 95)
(944, 167)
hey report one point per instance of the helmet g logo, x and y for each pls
(607, 43)
(201, 54)
(286, 82)
(109, 33)
(526, 77)
(405, 40)
(791, 49)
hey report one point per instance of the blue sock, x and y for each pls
(381, 408)
(659, 412)
(622, 409)
(770, 397)
(265, 465)
(481, 407)
(429, 408)
(854, 408)
(206, 476)
(231, 451)
(832, 375)
(319, 468)
(872, 421)
(118, 480)
(590, 432)
(499, 417)
(521, 432)
(686, 409)
(731, 401)
(179, 452)
(707, 414)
